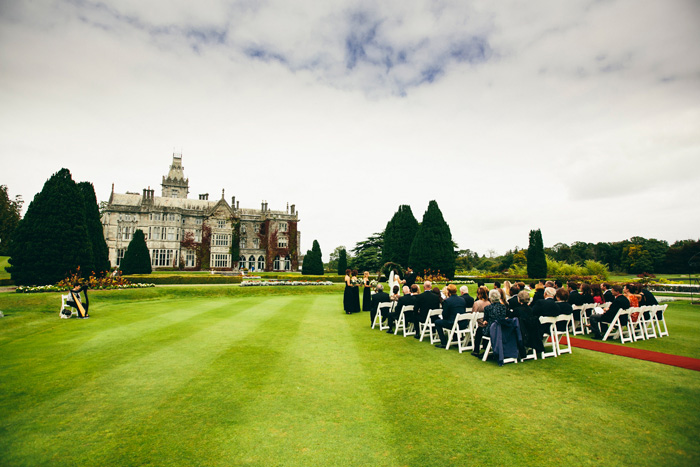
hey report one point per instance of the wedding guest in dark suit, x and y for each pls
(513, 301)
(452, 306)
(468, 299)
(574, 296)
(379, 297)
(424, 303)
(405, 299)
(608, 296)
(565, 308)
(546, 307)
(619, 302)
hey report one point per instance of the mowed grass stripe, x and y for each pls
(116, 398)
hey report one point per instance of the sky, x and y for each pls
(580, 118)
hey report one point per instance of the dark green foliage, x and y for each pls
(368, 253)
(313, 261)
(678, 256)
(137, 259)
(398, 236)
(432, 250)
(342, 262)
(9, 219)
(100, 252)
(536, 260)
(52, 240)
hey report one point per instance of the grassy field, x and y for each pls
(259, 377)
(4, 263)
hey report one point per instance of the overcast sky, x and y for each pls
(581, 118)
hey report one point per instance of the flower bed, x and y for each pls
(674, 288)
(264, 283)
(54, 288)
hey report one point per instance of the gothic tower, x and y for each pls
(175, 185)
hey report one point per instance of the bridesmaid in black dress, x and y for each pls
(366, 294)
(347, 293)
(355, 297)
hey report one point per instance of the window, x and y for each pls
(163, 233)
(241, 262)
(198, 221)
(221, 223)
(171, 233)
(221, 239)
(276, 263)
(261, 263)
(251, 262)
(160, 258)
(197, 236)
(283, 226)
(120, 255)
(287, 264)
(257, 228)
(243, 242)
(282, 242)
(157, 216)
(171, 217)
(189, 259)
(221, 261)
(256, 243)
(243, 229)
(119, 233)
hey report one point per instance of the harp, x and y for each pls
(76, 303)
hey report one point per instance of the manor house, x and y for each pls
(199, 233)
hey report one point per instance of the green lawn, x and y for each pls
(4, 263)
(281, 376)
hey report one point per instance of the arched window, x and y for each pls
(276, 264)
(251, 262)
(287, 264)
(241, 262)
(261, 263)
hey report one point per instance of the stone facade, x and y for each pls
(268, 240)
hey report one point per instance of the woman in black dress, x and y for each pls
(355, 296)
(347, 293)
(366, 294)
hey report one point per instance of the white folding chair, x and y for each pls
(636, 324)
(401, 323)
(661, 310)
(378, 318)
(487, 352)
(568, 320)
(429, 327)
(463, 337)
(648, 321)
(551, 321)
(578, 311)
(615, 328)
(64, 306)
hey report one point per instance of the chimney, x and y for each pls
(293, 207)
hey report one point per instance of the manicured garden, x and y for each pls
(224, 375)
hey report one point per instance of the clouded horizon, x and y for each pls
(580, 118)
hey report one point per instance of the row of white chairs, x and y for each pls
(639, 327)
(464, 330)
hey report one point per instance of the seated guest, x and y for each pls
(608, 296)
(496, 285)
(546, 307)
(597, 294)
(412, 315)
(574, 296)
(405, 299)
(523, 300)
(394, 295)
(504, 300)
(506, 288)
(529, 324)
(451, 307)
(492, 313)
(558, 284)
(482, 300)
(514, 302)
(539, 293)
(565, 308)
(480, 284)
(425, 302)
(468, 299)
(620, 302)
(379, 297)
(648, 298)
(586, 294)
(630, 291)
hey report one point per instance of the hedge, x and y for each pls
(222, 279)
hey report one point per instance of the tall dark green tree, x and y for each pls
(313, 261)
(52, 240)
(137, 259)
(368, 253)
(432, 250)
(398, 236)
(536, 260)
(9, 218)
(100, 252)
(342, 262)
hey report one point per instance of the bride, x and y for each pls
(394, 279)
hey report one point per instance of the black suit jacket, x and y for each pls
(608, 296)
(403, 301)
(513, 302)
(575, 298)
(425, 302)
(451, 307)
(545, 307)
(565, 308)
(410, 279)
(379, 297)
(468, 300)
(620, 303)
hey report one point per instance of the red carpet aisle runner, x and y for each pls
(648, 355)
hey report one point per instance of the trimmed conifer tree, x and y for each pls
(52, 240)
(100, 252)
(342, 262)
(306, 266)
(536, 259)
(432, 250)
(398, 236)
(137, 259)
